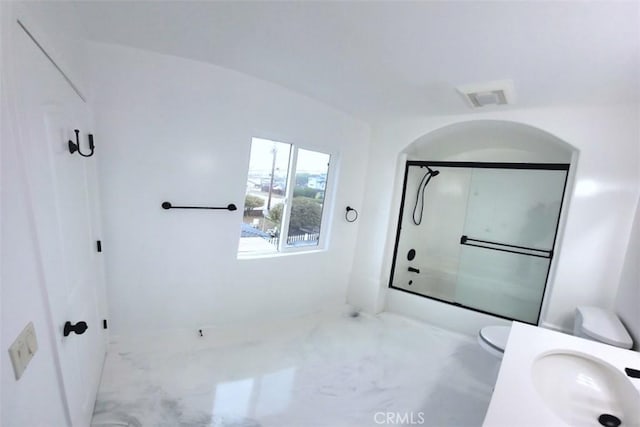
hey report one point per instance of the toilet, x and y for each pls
(494, 339)
(593, 323)
(601, 325)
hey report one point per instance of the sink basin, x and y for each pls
(585, 391)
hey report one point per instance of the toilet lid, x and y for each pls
(604, 326)
(496, 336)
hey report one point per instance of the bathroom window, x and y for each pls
(284, 199)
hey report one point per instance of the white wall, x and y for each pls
(598, 217)
(628, 300)
(179, 130)
(59, 33)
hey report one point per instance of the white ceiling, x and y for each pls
(381, 59)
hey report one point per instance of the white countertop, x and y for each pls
(515, 401)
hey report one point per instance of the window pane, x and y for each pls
(308, 198)
(264, 199)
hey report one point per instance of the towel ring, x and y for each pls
(350, 218)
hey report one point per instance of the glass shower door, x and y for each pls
(427, 252)
(507, 240)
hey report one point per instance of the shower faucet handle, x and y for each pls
(414, 270)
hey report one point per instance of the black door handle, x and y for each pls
(78, 328)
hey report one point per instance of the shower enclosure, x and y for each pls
(479, 235)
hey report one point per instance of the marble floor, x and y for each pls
(338, 369)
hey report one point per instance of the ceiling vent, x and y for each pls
(490, 93)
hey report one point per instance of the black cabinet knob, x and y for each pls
(78, 328)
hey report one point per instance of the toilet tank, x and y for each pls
(598, 324)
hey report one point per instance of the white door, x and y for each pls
(63, 193)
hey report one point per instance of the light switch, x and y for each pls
(23, 349)
(30, 339)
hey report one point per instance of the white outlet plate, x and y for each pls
(23, 349)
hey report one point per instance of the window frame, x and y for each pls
(282, 248)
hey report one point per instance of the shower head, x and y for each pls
(420, 195)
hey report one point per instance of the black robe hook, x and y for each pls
(75, 146)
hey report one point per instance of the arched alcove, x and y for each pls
(491, 141)
(487, 227)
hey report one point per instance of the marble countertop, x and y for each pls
(515, 401)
